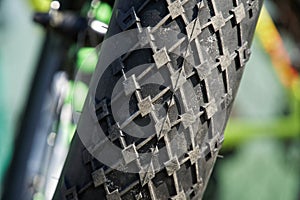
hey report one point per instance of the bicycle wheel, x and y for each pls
(159, 100)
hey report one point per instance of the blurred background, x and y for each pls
(261, 153)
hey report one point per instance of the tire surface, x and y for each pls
(220, 34)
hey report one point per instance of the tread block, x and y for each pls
(162, 127)
(175, 9)
(172, 165)
(155, 157)
(147, 174)
(239, 13)
(115, 195)
(203, 70)
(227, 99)
(206, 152)
(198, 188)
(224, 60)
(145, 37)
(253, 7)
(114, 132)
(200, 5)
(243, 54)
(161, 57)
(130, 85)
(193, 29)
(213, 143)
(139, 196)
(220, 140)
(253, 4)
(102, 109)
(194, 155)
(130, 153)
(178, 78)
(218, 22)
(98, 177)
(187, 119)
(179, 196)
(210, 109)
(145, 106)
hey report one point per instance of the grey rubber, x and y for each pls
(221, 33)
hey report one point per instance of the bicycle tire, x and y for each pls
(224, 30)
